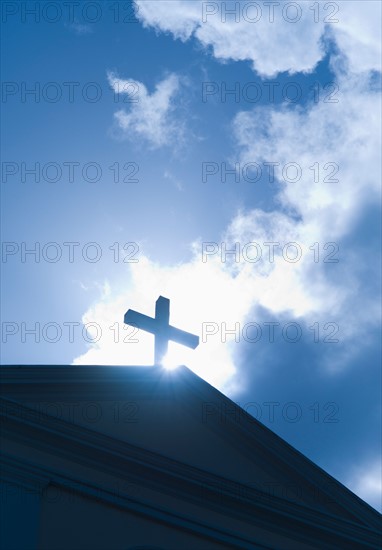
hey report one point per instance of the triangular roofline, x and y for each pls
(248, 436)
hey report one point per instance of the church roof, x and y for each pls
(147, 419)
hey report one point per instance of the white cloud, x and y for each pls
(358, 34)
(209, 292)
(346, 134)
(273, 43)
(199, 292)
(150, 116)
(215, 292)
(272, 47)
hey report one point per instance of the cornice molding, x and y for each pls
(168, 476)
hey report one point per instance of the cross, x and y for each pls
(160, 327)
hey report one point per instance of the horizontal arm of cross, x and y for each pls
(141, 321)
(183, 337)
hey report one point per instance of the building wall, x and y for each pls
(70, 520)
(20, 512)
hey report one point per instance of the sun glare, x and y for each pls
(173, 358)
(168, 363)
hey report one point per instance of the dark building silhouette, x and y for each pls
(123, 458)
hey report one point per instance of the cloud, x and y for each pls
(274, 39)
(336, 147)
(216, 295)
(151, 116)
(333, 151)
(330, 145)
(271, 47)
(358, 34)
(205, 295)
(199, 292)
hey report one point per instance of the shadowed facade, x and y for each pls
(123, 458)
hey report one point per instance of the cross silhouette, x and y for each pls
(160, 327)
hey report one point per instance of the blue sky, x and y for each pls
(147, 103)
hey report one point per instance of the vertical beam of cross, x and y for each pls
(161, 328)
(162, 316)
